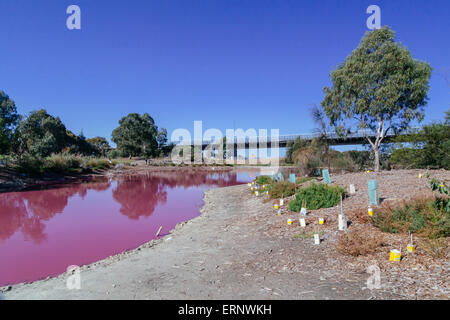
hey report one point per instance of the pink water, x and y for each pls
(43, 232)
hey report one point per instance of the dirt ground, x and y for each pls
(240, 249)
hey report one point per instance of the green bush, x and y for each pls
(317, 196)
(429, 148)
(260, 180)
(423, 216)
(96, 163)
(281, 189)
(30, 164)
(61, 162)
(113, 154)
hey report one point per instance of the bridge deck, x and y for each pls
(283, 140)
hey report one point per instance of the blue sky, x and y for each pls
(248, 64)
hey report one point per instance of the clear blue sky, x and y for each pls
(252, 64)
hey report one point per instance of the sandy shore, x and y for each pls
(240, 249)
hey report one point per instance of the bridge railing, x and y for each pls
(308, 136)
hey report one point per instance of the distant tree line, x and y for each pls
(40, 134)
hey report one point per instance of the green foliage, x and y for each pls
(405, 158)
(317, 196)
(361, 159)
(378, 87)
(440, 203)
(297, 144)
(113, 154)
(40, 134)
(281, 189)
(100, 146)
(421, 216)
(30, 164)
(96, 164)
(161, 139)
(430, 148)
(439, 186)
(260, 180)
(60, 163)
(63, 163)
(341, 161)
(139, 136)
(8, 121)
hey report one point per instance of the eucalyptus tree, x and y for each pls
(136, 135)
(8, 121)
(100, 145)
(379, 87)
(40, 134)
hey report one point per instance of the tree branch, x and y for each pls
(364, 132)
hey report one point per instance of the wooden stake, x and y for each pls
(159, 230)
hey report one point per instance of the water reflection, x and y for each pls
(44, 231)
(138, 196)
(26, 211)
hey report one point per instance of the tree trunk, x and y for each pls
(377, 159)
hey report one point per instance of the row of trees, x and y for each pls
(40, 134)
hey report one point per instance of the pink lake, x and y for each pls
(43, 232)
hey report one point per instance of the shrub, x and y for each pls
(420, 216)
(113, 154)
(429, 148)
(260, 180)
(61, 162)
(282, 189)
(96, 163)
(317, 196)
(30, 164)
(358, 243)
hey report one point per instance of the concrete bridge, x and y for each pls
(333, 139)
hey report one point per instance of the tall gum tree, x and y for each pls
(8, 121)
(379, 87)
(136, 135)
